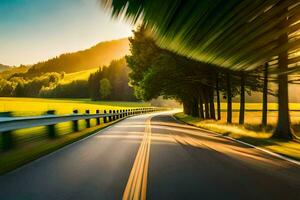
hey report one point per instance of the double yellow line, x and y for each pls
(136, 187)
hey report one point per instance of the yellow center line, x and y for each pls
(136, 187)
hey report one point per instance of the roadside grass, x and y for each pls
(251, 133)
(38, 106)
(33, 143)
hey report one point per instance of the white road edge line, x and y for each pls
(244, 143)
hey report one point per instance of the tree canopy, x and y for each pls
(240, 35)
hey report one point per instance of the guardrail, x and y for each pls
(8, 123)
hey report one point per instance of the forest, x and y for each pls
(108, 83)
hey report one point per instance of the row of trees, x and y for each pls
(108, 83)
(199, 86)
(237, 35)
(23, 87)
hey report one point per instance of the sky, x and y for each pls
(36, 30)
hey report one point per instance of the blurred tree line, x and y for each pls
(198, 86)
(108, 83)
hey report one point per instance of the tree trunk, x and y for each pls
(195, 107)
(265, 98)
(201, 112)
(229, 99)
(283, 129)
(206, 101)
(212, 104)
(218, 98)
(186, 107)
(242, 100)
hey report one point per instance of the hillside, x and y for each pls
(101, 54)
(81, 75)
(3, 67)
(8, 72)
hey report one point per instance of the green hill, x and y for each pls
(4, 67)
(98, 55)
(8, 72)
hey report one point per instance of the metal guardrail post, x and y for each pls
(75, 122)
(110, 118)
(117, 116)
(51, 128)
(7, 140)
(104, 118)
(7, 137)
(98, 118)
(114, 116)
(88, 121)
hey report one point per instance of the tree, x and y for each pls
(265, 97)
(105, 88)
(242, 99)
(6, 88)
(283, 129)
(229, 98)
(218, 97)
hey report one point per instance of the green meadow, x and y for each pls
(252, 132)
(38, 106)
(75, 76)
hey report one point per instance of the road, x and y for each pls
(153, 156)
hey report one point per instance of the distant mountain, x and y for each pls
(4, 67)
(101, 54)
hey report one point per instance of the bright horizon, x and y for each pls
(36, 30)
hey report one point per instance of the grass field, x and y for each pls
(38, 106)
(253, 113)
(252, 132)
(81, 75)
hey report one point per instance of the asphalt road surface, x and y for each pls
(153, 156)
